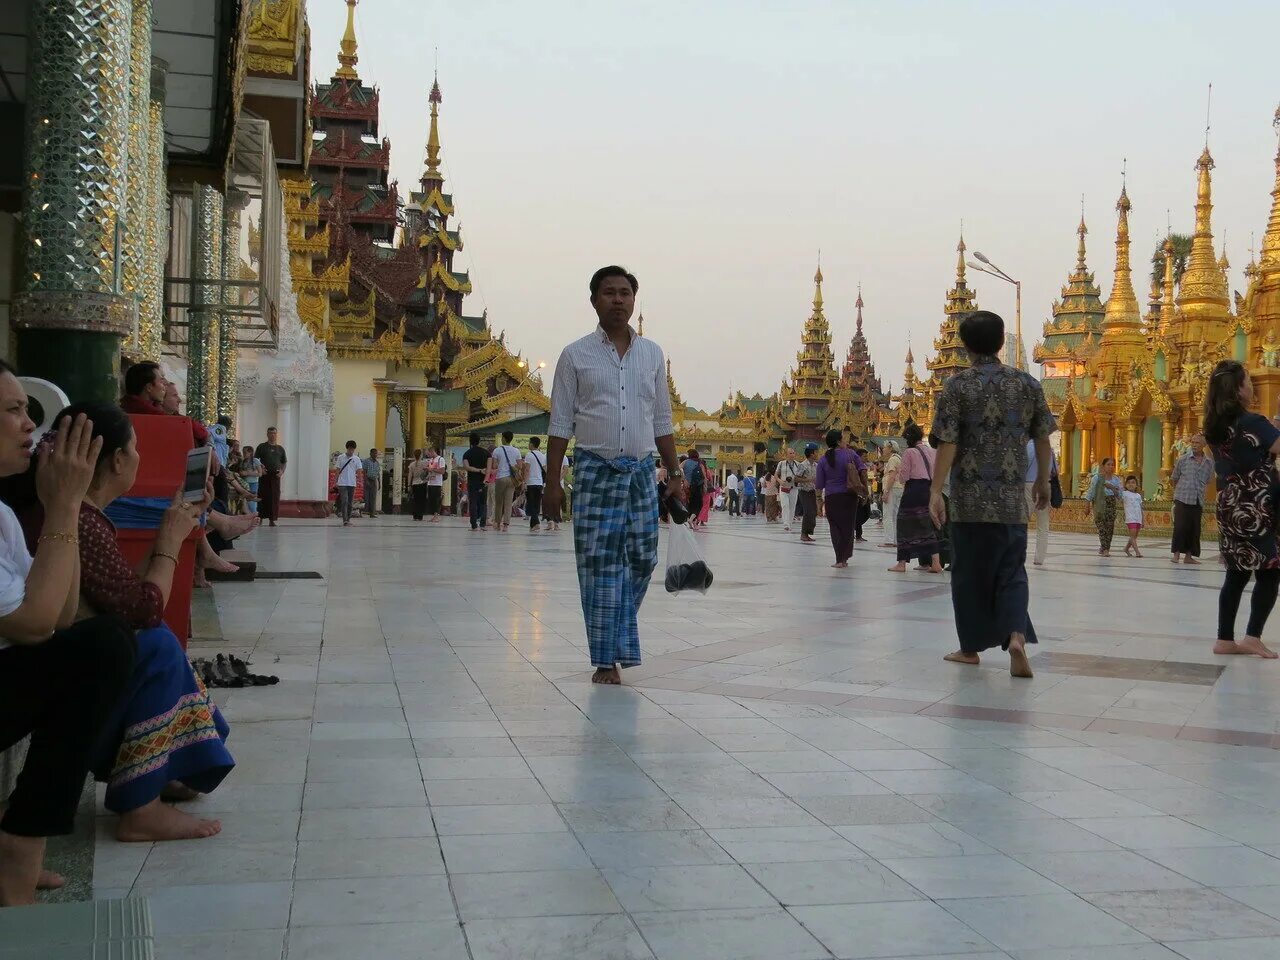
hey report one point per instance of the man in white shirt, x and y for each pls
(610, 395)
(1042, 516)
(787, 491)
(731, 488)
(535, 480)
(434, 468)
(348, 467)
(506, 460)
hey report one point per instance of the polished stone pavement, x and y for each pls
(793, 772)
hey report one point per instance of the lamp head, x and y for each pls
(981, 257)
(977, 266)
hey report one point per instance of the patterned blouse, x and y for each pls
(107, 583)
(990, 411)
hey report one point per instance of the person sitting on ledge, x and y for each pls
(59, 680)
(166, 740)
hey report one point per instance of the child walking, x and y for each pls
(1132, 497)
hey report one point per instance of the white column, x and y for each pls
(287, 424)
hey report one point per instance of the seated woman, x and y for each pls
(59, 680)
(167, 740)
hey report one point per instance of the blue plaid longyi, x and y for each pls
(615, 538)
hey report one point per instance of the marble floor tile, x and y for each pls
(784, 844)
(661, 848)
(341, 902)
(688, 887)
(378, 857)
(1100, 871)
(1170, 915)
(980, 875)
(385, 941)
(608, 937)
(1039, 922)
(544, 893)
(897, 840)
(903, 929)
(729, 935)
(812, 883)
(502, 853)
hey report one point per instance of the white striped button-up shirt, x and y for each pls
(614, 406)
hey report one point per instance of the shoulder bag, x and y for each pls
(1055, 490)
(854, 481)
(511, 470)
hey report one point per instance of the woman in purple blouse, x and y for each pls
(841, 502)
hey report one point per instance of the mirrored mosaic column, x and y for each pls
(206, 308)
(151, 306)
(72, 312)
(133, 238)
(236, 201)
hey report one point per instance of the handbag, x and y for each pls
(1055, 490)
(853, 480)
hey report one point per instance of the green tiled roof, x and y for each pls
(446, 401)
(478, 324)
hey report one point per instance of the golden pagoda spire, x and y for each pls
(960, 268)
(433, 136)
(1122, 306)
(347, 48)
(1223, 263)
(1082, 230)
(817, 290)
(1271, 239)
(1166, 301)
(1203, 288)
(641, 324)
(858, 306)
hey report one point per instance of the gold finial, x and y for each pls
(347, 47)
(817, 285)
(960, 249)
(858, 305)
(433, 136)
(1082, 231)
(1203, 288)
(641, 325)
(1223, 263)
(1122, 306)
(1270, 256)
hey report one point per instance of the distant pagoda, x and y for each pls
(859, 373)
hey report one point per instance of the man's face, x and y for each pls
(16, 427)
(170, 402)
(272, 435)
(155, 391)
(1197, 444)
(614, 301)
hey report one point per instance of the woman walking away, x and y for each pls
(1244, 448)
(917, 536)
(787, 490)
(891, 495)
(695, 483)
(1132, 497)
(836, 468)
(1103, 493)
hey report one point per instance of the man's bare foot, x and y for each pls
(21, 859)
(158, 821)
(176, 792)
(1249, 647)
(898, 568)
(1019, 664)
(611, 676)
(1104, 553)
(1192, 560)
(200, 581)
(1137, 553)
(49, 880)
(961, 657)
(1174, 558)
(936, 568)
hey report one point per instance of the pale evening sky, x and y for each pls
(713, 146)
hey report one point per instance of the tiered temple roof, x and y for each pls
(1072, 333)
(859, 373)
(951, 354)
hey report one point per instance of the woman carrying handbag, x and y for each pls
(917, 535)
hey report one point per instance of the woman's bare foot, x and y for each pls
(961, 657)
(1249, 647)
(200, 581)
(808, 540)
(839, 565)
(233, 526)
(21, 859)
(611, 676)
(1104, 553)
(1019, 664)
(158, 821)
(1137, 553)
(49, 880)
(218, 565)
(176, 792)
(898, 568)
(1174, 558)
(936, 568)
(1192, 560)
(1128, 550)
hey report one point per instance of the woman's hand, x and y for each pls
(179, 519)
(67, 464)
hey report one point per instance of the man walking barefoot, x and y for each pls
(1191, 475)
(985, 416)
(610, 393)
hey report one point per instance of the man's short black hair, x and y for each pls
(507, 436)
(535, 442)
(351, 444)
(224, 421)
(140, 376)
(475, 439)
(613, 270)
(982, 332)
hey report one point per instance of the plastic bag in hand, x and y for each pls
(686, 566)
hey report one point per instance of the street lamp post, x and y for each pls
(995, 271)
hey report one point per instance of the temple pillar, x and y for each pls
(205, 314)
(1133, 449)
(1167, 429)
(228, 356)
(1065, 472)
(151, 302)
(286, 424)
(417, 420)
(137, 225)
(1086, 457)
(72, 312)
(380, 416)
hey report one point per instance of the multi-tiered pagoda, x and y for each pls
(859, 373)
(383, 291)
